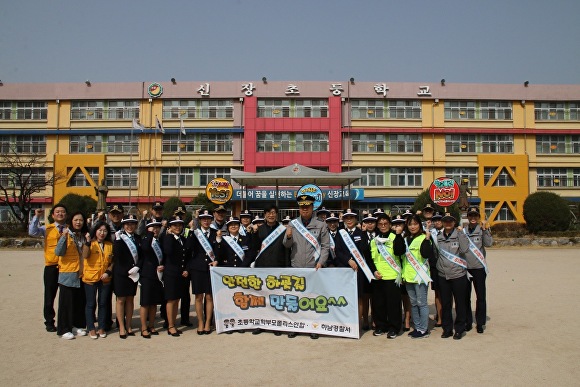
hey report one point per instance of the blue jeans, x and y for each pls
(419, 308)
(96, 293)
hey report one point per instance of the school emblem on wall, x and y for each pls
(155, 90)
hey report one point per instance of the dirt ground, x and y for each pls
(531, 339)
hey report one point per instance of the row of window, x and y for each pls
(370, 177)
(291, 108)
(293, 142)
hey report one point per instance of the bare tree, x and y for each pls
(22, 176)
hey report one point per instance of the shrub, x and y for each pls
(74, 202)
(546, 211)
(171, 205)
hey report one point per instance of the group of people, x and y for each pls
(395, 260)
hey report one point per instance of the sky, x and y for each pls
(463, 41)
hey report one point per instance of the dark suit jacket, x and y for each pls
(228, 257)
(343, 254)
(200, 260)
(176, 255)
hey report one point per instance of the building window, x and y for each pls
(558, 177)
(8, 177)
(390, 109)
(503, 179)
(574, 111)
(23, 110)
(169, 177)
(292, 108)
(478, 110)
(171, 144)
(311, 142)
(476, 143)
(495, 110)
(104, 144)
(405, 143)
(368, 143)
(504, 213)
(198, 109)
(460, 143)
(215, 109)
(80, 180)
(121, 177)
(550, 111)
(104, 110)
(372, 177)
(497, 143)
(23, 144)
(208, 174)
(406, 177)
(292, 142)
(546, 144)
(215, 142)
(459, 110)
(273, 142)
(458, 174)
(575, 142)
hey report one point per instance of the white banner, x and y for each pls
(320, 301)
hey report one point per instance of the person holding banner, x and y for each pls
(176, 257)
(126, 254)
(416, 247)
(388, 272)
(479, 237)
(151, 271)
(452, 245)
(332, 224)
(308, 240)
(352, 250)
(268, 249)
(203, 243)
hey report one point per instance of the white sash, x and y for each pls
(332, 246)
(356, 254)
(389, 259)
(453, 258)
(134, 253)
(242, 230)
(235, 246)
(477, 252)
(308, 236)
(205, 244)
(269, 239)
(422, 275)
(157, 250)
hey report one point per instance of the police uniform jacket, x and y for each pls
(343, 254)
(228, 257)
(301, 251)
(481, 239)
(457, 244)
(176, 255)
(200, 260)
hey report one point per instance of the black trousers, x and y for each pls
(109, 310)
(386, 302)
(50, 290)
(478, 281)
(71, 309)
(185, 302)
(453, 290)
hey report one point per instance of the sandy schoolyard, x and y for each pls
(531, 339)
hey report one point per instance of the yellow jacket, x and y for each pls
(71, 260)
(97, 262)
(50, 240)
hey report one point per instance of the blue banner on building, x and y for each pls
(320, 301)
(288, 194)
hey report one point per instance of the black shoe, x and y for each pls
(468, 327)
(229, 332)
(378, 332)
(50, 328)
(458, 335)
(479, 329)
(277, 333)
(392, 335)
(122, 336)
(419, 335)
(406, 329)
(314, 336)
(410, 334)
(292, 335)
(257, 331)
(145, 334)
(176, 334)
(445, 335)
(154, 333)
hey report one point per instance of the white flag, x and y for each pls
(159, 126)
(137, 125)
(182, 127)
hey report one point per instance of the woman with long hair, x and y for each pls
(97, 273)
(151, 271)
(71, 301)
(416, 249)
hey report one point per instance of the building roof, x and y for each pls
(295, 175)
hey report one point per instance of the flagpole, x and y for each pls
(155, 162)
(179, 160)
(131, 166)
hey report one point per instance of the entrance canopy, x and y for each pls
(295, 175)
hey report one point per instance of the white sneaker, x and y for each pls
(103, 335)
(79, 332)
(68, 336)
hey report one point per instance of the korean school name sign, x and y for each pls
(286, 299)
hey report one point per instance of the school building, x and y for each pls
(154, 140)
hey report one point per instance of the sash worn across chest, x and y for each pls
(422, 275)
(389, 259)
(204, 244)
(356, 254)
(477, 252)
(235, 246)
